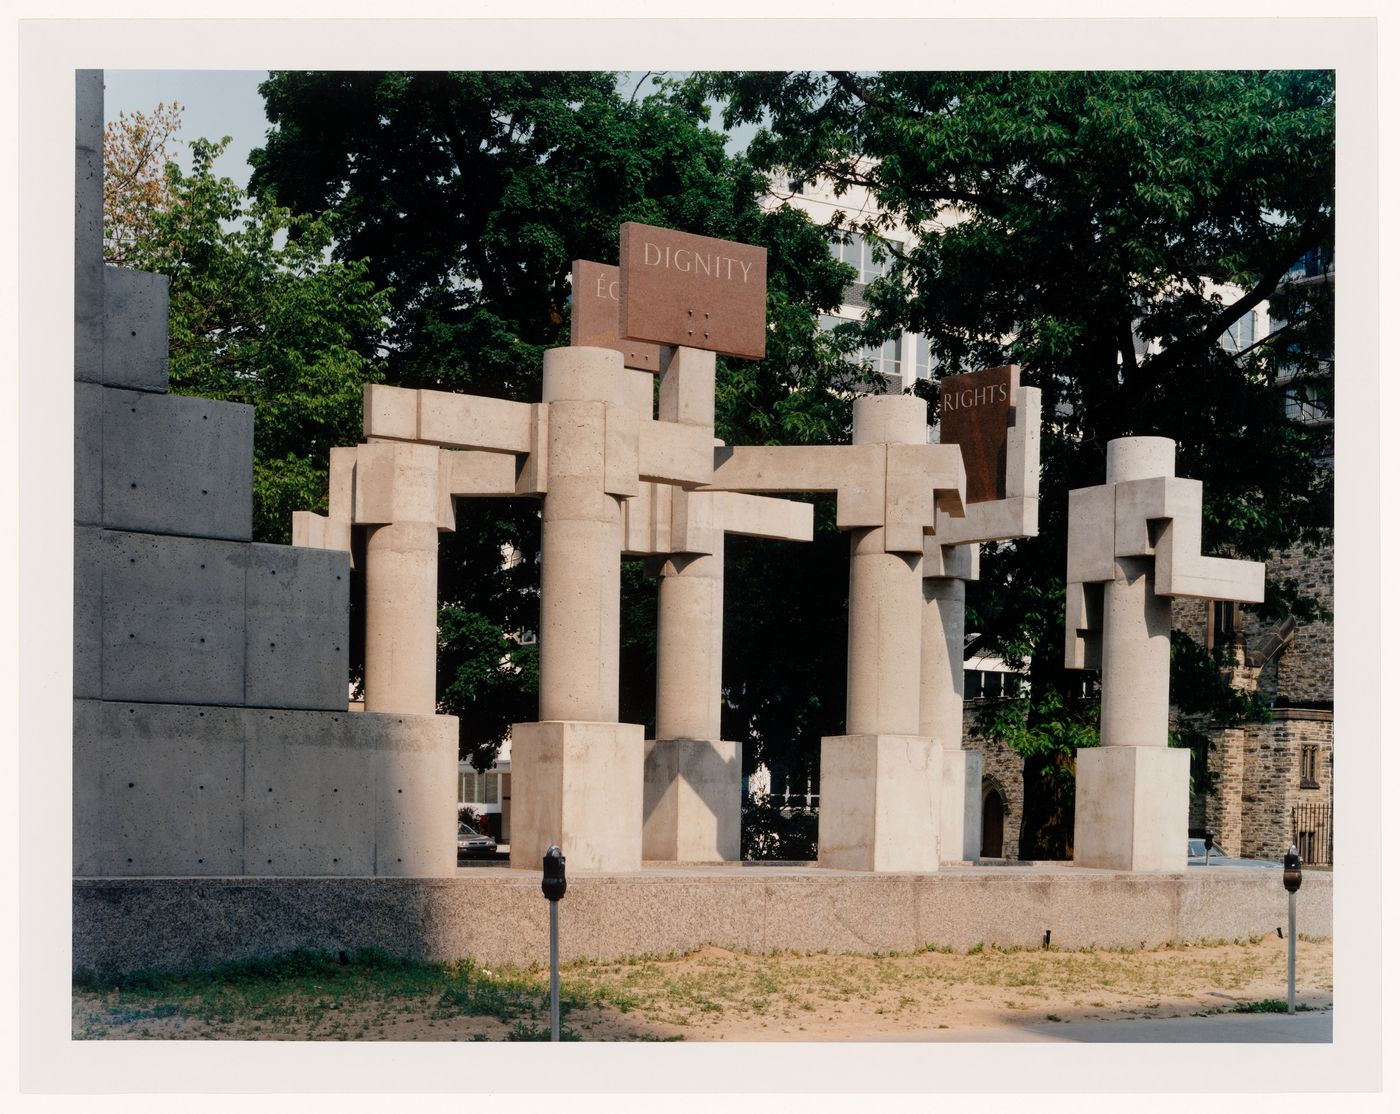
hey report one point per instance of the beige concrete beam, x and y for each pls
(757, 516)
(675, 454)
(855, 474)
(1089, 548)
(320, 532)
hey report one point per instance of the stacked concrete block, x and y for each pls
(193, 644)
(203, 791)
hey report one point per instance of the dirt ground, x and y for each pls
(719, 995)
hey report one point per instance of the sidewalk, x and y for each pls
(1312, 1027)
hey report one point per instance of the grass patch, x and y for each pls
(1269, 1005)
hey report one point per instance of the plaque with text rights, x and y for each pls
(595, 319)
(696, 291)
(974, 411)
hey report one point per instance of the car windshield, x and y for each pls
(1195, 847)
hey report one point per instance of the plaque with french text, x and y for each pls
(974, 411)
(696, 291)
(595, 318)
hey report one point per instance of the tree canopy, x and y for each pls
(1106, 231)
(257, 313)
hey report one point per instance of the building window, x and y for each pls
(1308, 767)
(1224, 622)
(924, 363)
(1240, 335)
(990, 684)
(860, 254)
(884, 358)
(478, 789)
(1306, 400)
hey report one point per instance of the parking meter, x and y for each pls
(1292, 871)
(1210, 842)
(554, 883)
(1292, 880)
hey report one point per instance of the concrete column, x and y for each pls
(580, 581)
(882, 782)
(690, 645)
(886, 602)
(941, 718)
(1130, 799)
(401, 618)
(576, 776)
(941, 687)
(885, 617)
(87, 241)
(1136, 621)
(1137, 645)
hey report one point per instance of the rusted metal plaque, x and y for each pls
(595, 319)
(693, 290)
(974, 411)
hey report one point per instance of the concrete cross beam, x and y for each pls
(895, 487)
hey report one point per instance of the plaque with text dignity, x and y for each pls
(595, 319)
(693, 290)
(974, 411)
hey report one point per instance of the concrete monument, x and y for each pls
(1134, 543)
(588, 448)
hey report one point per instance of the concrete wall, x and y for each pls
(499, 917)
(211, 736)
(163, 789)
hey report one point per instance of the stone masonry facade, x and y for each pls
(1003, 772)
(1273, 780)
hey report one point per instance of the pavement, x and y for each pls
(1309, 1027)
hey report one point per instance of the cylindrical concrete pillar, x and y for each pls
(690, 647)
(581, 557)
(941, 688)
(401, 618)
(1137, 622)
(1140, 458)
(1137, 657)
(885, 631)
(886, 602)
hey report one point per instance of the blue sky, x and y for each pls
(216, 103)
(220, 103)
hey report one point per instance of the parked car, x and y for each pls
(1196, 856)
(472, 842)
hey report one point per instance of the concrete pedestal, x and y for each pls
(881, 801)
(578, 785)
(691, 794)
(1130, 807)
(960, 835)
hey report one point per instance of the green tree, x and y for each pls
(1105, 231)
(470, 194)
(258, 315)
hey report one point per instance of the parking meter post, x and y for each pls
(554, 885)
(1292, 945)
(554, 972)
(1292, 880)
